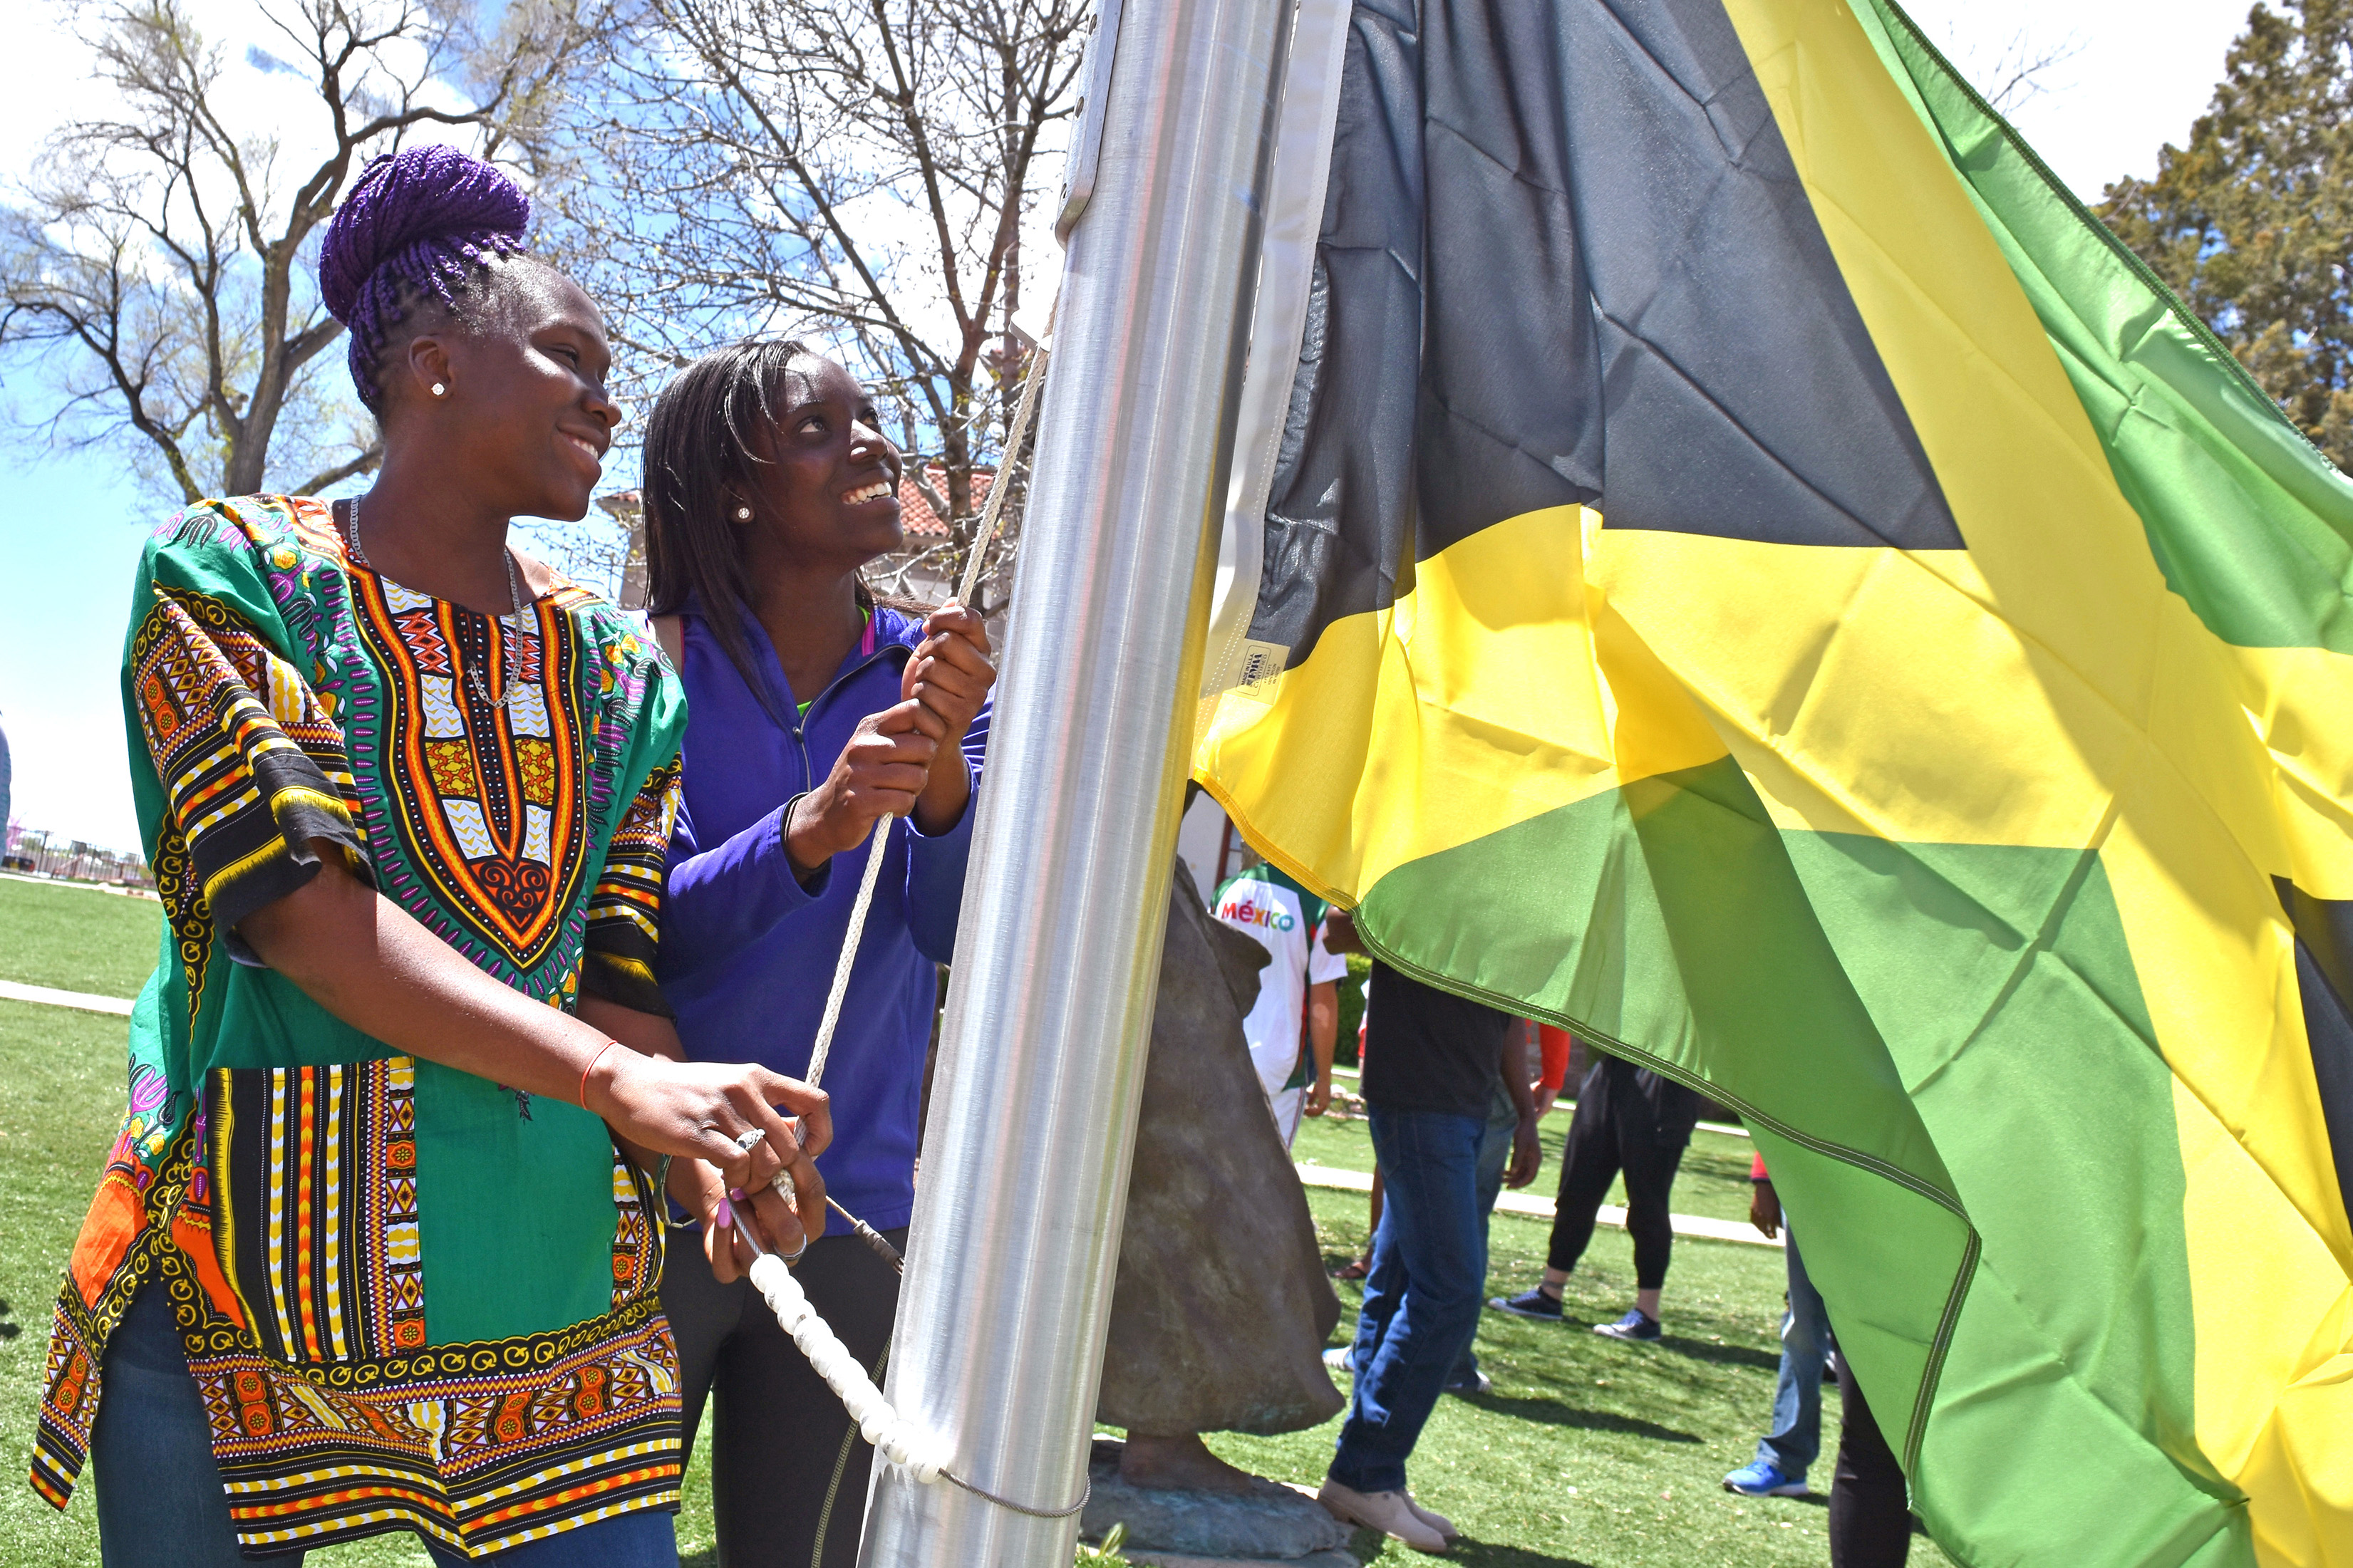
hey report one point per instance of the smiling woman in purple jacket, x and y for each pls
(814, 713)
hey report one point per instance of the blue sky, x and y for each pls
(71, 528)
(70, 524)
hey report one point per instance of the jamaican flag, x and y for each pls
(1728, 556)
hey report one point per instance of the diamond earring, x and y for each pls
(439, 389)
(744, 514)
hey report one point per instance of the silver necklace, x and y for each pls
(474, 681)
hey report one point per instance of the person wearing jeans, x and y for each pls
(1870, 1514)
(375, 1249)
(1429, 1080)
(1785, 1453)
(1504, 1160)
(152, 1431)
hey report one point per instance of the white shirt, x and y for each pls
(1288, 922)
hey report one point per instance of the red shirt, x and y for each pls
(1552, 1045)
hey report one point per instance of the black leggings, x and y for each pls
(1600, 1146)
(788, 1469)
(1871, 1519)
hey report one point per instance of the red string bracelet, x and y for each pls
(599, 1056)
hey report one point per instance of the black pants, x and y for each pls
(1600, 1144)
(1870, 1516)
(788, 1469)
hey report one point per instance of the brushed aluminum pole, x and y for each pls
(999, 1338)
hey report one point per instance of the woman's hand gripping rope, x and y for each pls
(948, 679)
(885, 765)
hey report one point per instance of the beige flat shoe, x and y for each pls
(1436, 1521)
(1389, 1512)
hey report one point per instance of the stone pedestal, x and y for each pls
(1270, 1524)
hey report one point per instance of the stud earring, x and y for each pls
(439, 389)
(744, 514)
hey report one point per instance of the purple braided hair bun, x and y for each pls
(426, 219)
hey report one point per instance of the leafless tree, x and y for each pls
(161, 259)
(862, 170)
(2014, 72)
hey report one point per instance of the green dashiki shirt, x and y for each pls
(412, 1297)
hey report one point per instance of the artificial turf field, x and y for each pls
(1588, 1454)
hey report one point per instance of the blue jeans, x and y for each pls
(1795, 1439)
(1495, 1154)
(159, 1491)
(1421, 1298)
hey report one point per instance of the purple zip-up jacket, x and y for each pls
(747, 952)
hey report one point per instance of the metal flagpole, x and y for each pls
(1000, 1337)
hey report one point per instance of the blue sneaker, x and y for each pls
(1531, 1302)
(1636, 1325)
(1762, 1478)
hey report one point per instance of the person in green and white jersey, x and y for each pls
(1292, 1027)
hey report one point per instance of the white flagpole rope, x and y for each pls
(922, 1455)
(1033, 378)
(849, 959)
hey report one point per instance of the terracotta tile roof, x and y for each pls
(915, 514)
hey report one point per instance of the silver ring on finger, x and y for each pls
(750, 1139)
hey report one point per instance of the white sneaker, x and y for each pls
(1391, 1513)
(1436, 1521)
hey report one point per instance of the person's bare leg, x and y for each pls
(1646, 1304)
(1181, 1463)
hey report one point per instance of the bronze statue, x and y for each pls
(1222, 1306)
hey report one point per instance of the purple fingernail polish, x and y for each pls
(726, 1215)
(737, 1193)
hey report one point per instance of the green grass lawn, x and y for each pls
(77, 938)
(1588, 1454)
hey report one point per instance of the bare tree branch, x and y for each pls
(2014, 73)
(157, 261)
(362, 463)
(857, 170)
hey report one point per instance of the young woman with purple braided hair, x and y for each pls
(377, 1247)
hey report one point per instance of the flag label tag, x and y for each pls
(1258, 673)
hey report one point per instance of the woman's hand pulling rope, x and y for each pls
(948, 682)
(706, 1112)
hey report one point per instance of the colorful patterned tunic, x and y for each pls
(411, 1298)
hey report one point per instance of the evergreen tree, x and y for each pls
(2253, 223)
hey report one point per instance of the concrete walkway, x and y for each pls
(11, 992)
(1529, 1207)
(68, 882)
(1313, 1175)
